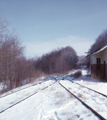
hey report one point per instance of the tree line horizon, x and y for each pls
(16, 70)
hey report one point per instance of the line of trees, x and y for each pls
(57, 61)
(14, 67)
(82, 61)
(16, 70)
(100, 42)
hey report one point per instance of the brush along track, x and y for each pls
(83, 100)
(27, 97)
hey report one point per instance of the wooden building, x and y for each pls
(98, 62)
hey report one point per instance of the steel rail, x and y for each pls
(95, 112)
(25, 98)
(90, 89)
(21, 89)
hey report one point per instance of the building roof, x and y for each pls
(99, 50)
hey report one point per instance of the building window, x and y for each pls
(98, 63)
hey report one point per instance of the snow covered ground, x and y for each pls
(53, 103)
(91, 98)
(49, 103)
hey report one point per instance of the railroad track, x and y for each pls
(67, 78)
(2, 96)
(91, 102)
(90, 89)
(75, 92)
(12, 105)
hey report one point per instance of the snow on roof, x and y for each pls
(103, 48)
(100, 50)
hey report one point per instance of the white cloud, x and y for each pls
(81, 45)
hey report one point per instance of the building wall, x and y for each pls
(105, 55)
(102, 55)
(100, 72)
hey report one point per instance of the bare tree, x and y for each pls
(99, 43)
(15, 69)
(57, 61)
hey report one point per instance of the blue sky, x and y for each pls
(45, 25)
